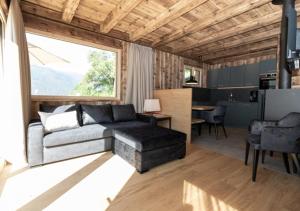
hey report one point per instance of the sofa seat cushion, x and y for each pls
(85, 133)
(149, 138)
(128, 124)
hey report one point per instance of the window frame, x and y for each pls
(199, 78)
(89, 44)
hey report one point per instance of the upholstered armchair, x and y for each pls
(279, 136)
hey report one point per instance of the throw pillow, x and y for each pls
(93, 114)
(57, 122)
(124, 112)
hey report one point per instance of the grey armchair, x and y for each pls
(279, 136)
(216, 118)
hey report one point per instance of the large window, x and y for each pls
(60, 68)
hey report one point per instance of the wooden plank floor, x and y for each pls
(204, 180)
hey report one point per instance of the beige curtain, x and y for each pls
(140, 75)
(15, 90)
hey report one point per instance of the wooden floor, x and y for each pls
(204, 180)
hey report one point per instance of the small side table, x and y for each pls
(161, 117)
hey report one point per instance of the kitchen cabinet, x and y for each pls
(237, 76)
(251, 75)
(212, 79)
(223, 78)
(268, 66)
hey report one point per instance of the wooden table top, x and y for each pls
(203, 108)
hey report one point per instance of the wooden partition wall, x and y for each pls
(178, 104)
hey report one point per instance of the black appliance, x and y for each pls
(267, 81)
(253, 96)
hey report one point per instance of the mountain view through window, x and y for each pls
(60, 68)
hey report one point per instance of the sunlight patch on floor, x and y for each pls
(66, 184)
(198, 199)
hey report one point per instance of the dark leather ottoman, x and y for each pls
(149, 146)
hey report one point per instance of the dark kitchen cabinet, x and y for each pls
(237, 76)
(251, 75)
(268, 66)
(224, 77)
(212, 79)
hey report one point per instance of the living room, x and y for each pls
(149, 105)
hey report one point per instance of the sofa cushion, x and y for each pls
(85, 133)
(149, 138)
(92, 114)
(128, 124)
(57, 122)
(124, 112)
(57, 109)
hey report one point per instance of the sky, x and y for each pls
(77, 55)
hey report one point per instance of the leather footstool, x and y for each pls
(149, 146)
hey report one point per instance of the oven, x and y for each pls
(267, 81)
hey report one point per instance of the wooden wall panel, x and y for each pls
(241, 62)
(168, 70)
(178, 104)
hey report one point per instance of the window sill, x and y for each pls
(72, 98)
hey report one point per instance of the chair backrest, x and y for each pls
(290, 120)
(217, 115)
(219, 110)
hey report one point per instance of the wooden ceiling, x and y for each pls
(212, 31)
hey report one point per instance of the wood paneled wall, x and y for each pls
(241, 62)
(168, 70)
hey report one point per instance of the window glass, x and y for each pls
(60, 68)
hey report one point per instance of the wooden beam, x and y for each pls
(70, 8)
(236, 30)
(118, 13)
(219, 16)
(265, 35)
(250, 48)
(39, 11)
(245, 56)
(175, 11)
(67, 32)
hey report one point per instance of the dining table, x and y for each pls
(202, 108)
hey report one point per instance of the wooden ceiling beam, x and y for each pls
(250, 48)
(256, 23)
(217, 17)
(175, 11)
(268, 52)
(265, 35)
(118, 13)
(39, 11)
(70, 8)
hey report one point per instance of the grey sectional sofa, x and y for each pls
(95, 134)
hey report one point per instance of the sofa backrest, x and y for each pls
(124, 113)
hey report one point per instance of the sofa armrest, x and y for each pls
(35, 137)
(146, 118)
(281, 139)
(257, 126)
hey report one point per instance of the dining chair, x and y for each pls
(274, 136)
(216, 118)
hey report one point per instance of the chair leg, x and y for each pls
(255, 164)
(209, 128)
(247, 153)
(263, 154)
(271, 153)
(224, 130)
(199, 129)
(286, 162)
(216, 131)
(296, 162)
